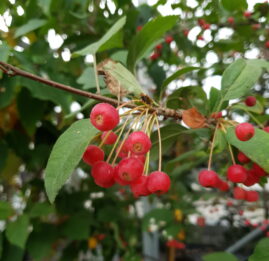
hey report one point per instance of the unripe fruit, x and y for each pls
(242, 158)
(250, 101)
(130, 169)
(103, 174)
(244, 131)
(208, 178)
(109, 137)
(158, 182)
(169, 39)
(139, 187)
(252, 196)
(237, 173)
(138, 143)
(239, 193)
(230, 20)
(104, 117)
(93, 154)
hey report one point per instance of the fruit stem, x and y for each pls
(96, 74)
(124, 104)
(255, 119)
(160, 143)
(232, 154)
(212, 147)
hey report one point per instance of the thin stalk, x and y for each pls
(160, 143)
(212, 147)
(96, 74)
(231, 153)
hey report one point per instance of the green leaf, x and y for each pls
(231, 5)
(145, 39)
(5, 210)
(30, 26)
(249, 148)
(240, 77)
(118, 77)
(176, 75)
(102, 43)
(45, 6)
(220, 256)
(261, 251)
(17, 231)
(66, 154)
(257, 108)
(7, 86)
(3, 155)
(41, 209)
(215, 99)
(4, 52)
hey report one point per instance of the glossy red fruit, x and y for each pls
(223, 186)
(259, 171)
(266, 44)
(208, 178)
(109, 137)
(158, 182)
(93, 154)
(123, 150)
(216, 115)
(250, 101)
(118, 179)
(242, 158)
(266, 129)
(237, 173)
(103, 174)
(239, 193)
(230, 20)
(169, 39)
(104, 117)
(130, 169)
(247, 14)
(139, 187)
(142, 158)
(252, 178)
(244, 131)
(138, 142)
(252, 196)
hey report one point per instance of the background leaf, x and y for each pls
(5, 210)
(30, 26)
(220, 256)
(66, 154)
(231, 5)
(261, 251)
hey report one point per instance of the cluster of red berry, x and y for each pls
(130, 152)
(158, 48)
(242, 194)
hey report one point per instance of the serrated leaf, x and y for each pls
(261, 251)
(30, 26)
(66, 154)
(220, 256)
(231, 5)
(5, 210)
(256, 148)
(118, 79)
(147, 38)
(102, 43)
(17, 231)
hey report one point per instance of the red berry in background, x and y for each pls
(247, 14)
(200, 221)
(200, 37)
(158, 182)
(139, 187)
(138, 142)
(229, 203)
(129, 169)
(244, 131)
(93, 154)
(237, 173)
(239, 193)
(103, 173)
(206, 26)
(241, 212)
(208, 178)
(266, 129)
(230, 20)
(175, 244)
(201, 22)
(154, 56)
(252, 178)
(266, 44)
(247, 222)
(124, 150)
(186, 32)
(256, 26)
(242, 158)
(104, 185)
(259, 171)
(104, 117)
(142, 158)
(139, 28)
(159, 47)
(216, 115)
(109, 137)
(169, 39)
(250, 101)
(223, 186)
(252, 196)
(118, 179)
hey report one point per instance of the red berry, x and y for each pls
(237, 173)
(247, 14)
(266, 129)
(169, 39)
(139, 187)
(158, 182)
(244, 131)
(239, 193)
(206, 26)
(159, 47)
(109, 137)
(252, 196)
(242, 158)
(256, 26)
(201, 22)
(175, 244)
(118, 179)
(103, 174)
(123, 150)
(142, 158)
(250, 101)
(93, 154)
(230, 20)
(138, 142)
(258, 170)
(216, 115)
(200, 221)
(241, 212)
(104, 117)
(130, 169)
(229, 203)
(252, 178)
(223, 186)
(186, 32)
(208, 178)
(139, 28)
(266, 44)
(154, 56)
(200, 37)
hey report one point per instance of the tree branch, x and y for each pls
(11, 70)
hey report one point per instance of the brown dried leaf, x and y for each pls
(193, 118)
